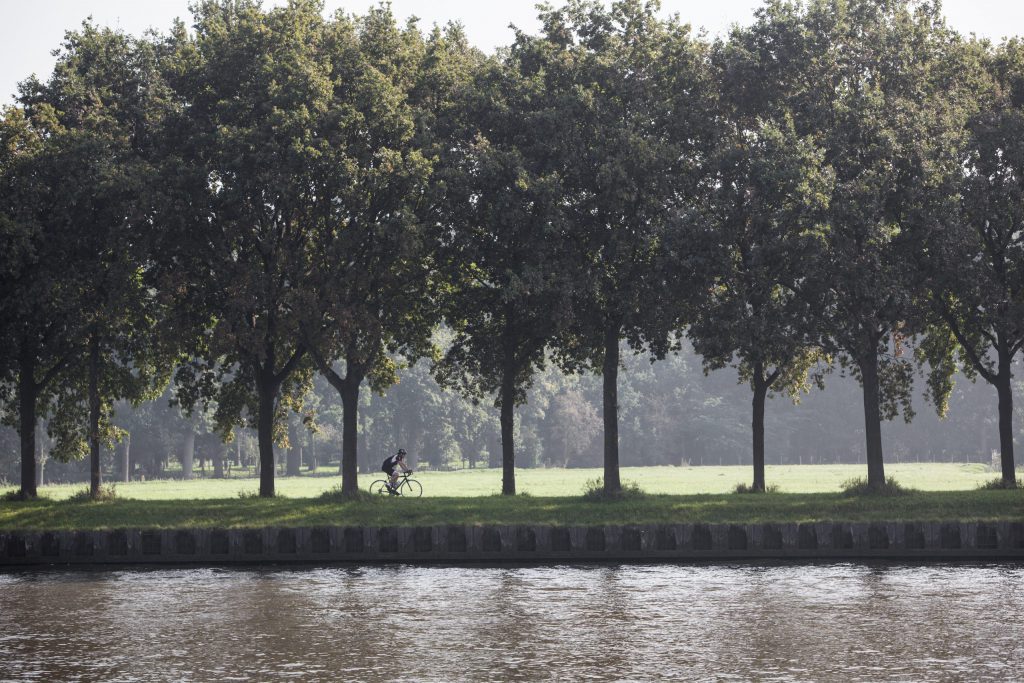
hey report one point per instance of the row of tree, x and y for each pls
(670, 413)
(277, 194)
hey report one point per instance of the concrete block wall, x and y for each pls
(529, 543)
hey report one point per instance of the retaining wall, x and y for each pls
(546, 544)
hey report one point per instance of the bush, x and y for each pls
(335, 495)
(749, 488)
(106, 492)
(859, 487)
(593, 490)
(998, 484)
(252, 494)
(14, 496)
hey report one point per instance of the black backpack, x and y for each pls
(386, 465)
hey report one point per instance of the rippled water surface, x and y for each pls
(838, 622)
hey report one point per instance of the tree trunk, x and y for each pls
(265, 434)
(760, 393)
(40, 458)
(1005, 389)
(126, 458)
(508, 424)
(294, 462)
(868, 364)
(188, 454)
(95, 479)
(494, 451)
(218, 460)
(349, 390)
(565, 447)
(612, 484)
(27, 400)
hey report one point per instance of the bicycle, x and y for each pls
(405, 487)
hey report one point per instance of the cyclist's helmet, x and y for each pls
(401, 452)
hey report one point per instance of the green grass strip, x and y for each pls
(964, 506)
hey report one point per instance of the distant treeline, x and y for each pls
(263, 219)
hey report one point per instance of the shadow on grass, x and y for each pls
(40, 514)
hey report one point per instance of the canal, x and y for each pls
(782, 622)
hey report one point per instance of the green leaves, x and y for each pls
(505, 256)
(279, 190)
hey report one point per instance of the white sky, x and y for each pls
(32, 29)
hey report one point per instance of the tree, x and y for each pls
(871, 82)
(36, 321)
(973, 262)
(108, 99)
(632, 90)
(506, 252)
(768, 197)
(34, 349)
(372, 274)
(76, 304)
(256, 150)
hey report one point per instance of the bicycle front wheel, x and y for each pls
(379, 488)
(413, 489)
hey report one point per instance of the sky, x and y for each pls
(30, 31)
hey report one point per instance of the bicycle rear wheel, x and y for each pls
(413, 489)
(379, 487)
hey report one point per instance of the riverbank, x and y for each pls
(457, 544)
(772, 508)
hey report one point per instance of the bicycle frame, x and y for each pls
(405, 486)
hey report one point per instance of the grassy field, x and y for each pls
(567, 482)
(675, 495)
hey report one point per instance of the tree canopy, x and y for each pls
(278, 194)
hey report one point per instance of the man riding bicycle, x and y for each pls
(391, 465)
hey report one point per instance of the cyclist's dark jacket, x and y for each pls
(390, 464)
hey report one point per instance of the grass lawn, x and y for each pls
(676, 495)
(567, 482)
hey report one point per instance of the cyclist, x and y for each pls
(391, 465)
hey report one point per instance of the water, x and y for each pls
(829, 622)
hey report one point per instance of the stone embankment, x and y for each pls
(542, 544)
